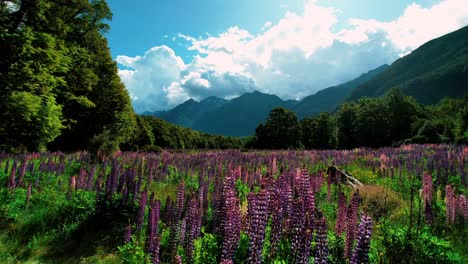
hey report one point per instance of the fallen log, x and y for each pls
(342, 176)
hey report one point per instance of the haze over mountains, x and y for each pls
(435, 70)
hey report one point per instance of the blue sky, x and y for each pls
(172, 50)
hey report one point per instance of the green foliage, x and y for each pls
(60, 86)
(206, 249)
(371, 122)
(319, 132)
(403, 110)
(345, 117)
(133, 252)
(31, 121)
(336, 248)
(242, 190)
(281, 131)
(242, 251)
(152, 133)
(418, 248)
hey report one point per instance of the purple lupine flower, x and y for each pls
(450, 204)
(307, 193)
(157, 245)
(351, 224)
(182, 231)
(22, 171)
(128, 234)
(300, 249)
(7, 166)
(141, 212)
(177, 216)
(288, 205)
(321, 248)
(278, 216)
(231, 232)
(28, 194)
(341, 215)
(331, 176)
(258, 223)
(152, 228)
(72, 186)
(193, 226)
(462, 206)
(428, 213)
(251, 199)
(274, 167)
(427, 189)
(231, 219)
(12, 179)
(90, 180)
(361, 252)
(80, 181)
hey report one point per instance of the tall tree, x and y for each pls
(403, 110)
(319, 132)
(372, 123)
(281, 131)
(55, 51)
(345, 117)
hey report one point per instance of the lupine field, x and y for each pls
(389, 205)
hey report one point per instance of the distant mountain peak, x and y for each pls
(435, 70)
(190, 101)
(212, 99)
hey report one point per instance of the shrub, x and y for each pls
(133, 253)
(421, 248)
(379, 201)
(206, 249)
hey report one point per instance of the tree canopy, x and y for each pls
(370, 122)
(281, 130)
(60, 86)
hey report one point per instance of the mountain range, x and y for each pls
(437, 69)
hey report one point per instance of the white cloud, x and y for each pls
(415, 26)
(294, 57)
(267, 25)
(147, 77)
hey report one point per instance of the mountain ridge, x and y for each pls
(436, 69)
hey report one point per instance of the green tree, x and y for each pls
(56, 51)
(372, 123)
(319, 132)
(345, 117)
(281, 131)
(403, 111)
(30, 121)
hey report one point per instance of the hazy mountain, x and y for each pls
(437, 69)
(327, 100)
(240, 116)
(188, 112)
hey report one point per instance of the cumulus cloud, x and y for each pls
(294, 57)
(148, 78)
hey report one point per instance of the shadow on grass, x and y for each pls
(103, 229)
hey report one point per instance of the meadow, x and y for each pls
(387, 205)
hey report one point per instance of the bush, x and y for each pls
(402, 247)
(206, 249)
(133, 253)
(379, 201)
